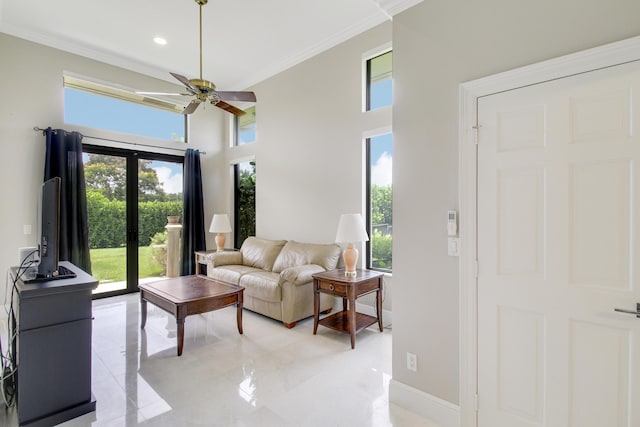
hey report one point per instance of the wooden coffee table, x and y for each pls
(187, 295)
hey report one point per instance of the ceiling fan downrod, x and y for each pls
(201, 3)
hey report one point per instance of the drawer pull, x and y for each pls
(331, 287)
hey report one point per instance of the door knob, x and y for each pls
(637, 312)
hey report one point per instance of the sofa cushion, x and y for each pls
(296, 253)
(260, 253)
(262, 285)
(230, 273)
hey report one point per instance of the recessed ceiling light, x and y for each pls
(160, 41)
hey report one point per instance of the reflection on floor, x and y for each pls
(270, 376)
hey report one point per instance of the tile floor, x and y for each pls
(270, 376)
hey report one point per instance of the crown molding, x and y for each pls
(393, 7)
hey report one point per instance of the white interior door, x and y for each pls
(558, 222)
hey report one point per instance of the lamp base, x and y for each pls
(350, 273)
(350, 257)
(220, 242)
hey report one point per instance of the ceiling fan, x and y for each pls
(204, 90)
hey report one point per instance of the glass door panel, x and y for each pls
(106, 183)
(159, 219)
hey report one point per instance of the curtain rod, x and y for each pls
(39, 129)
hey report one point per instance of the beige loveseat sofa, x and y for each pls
(276, 275)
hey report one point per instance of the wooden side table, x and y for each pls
(201, 258)
(335, 283)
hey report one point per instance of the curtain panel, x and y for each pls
(63, 158)
(193, 232)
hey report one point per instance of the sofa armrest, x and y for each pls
(216, 259)
(300, 274)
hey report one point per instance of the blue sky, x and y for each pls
(381, 145)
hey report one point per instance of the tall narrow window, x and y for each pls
(245, 202)
(379, 202)
(379, 83)
(245, 127)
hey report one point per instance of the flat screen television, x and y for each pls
(49, 235)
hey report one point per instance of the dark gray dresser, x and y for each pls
(53, 349)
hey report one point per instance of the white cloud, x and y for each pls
(381, 171)
(171, 183)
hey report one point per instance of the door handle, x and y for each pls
(637, 312)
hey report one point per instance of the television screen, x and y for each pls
(49, 228)
(48, 245)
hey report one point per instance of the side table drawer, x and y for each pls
(337, 289)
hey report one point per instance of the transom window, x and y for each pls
(99, 106)
(245, 127)
(379, 83)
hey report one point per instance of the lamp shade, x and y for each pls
(351, 229)
(220, 224)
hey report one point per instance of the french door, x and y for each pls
(130, 194)
(558, 233)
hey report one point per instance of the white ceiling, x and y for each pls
(244, 41)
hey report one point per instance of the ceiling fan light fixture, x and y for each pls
(205, 91)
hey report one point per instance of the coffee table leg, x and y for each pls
(143, 312)
(180, 323)
(239, 317)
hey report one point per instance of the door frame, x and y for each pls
(609, 55)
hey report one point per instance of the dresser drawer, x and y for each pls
(337, 289)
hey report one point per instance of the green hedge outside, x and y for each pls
(108, 220)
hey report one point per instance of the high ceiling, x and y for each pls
(244, 41)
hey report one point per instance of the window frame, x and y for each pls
(236, 128)
(366, 75)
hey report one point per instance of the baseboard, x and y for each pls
(387, 317)
(441, 412)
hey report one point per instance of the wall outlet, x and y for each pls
(412, 362)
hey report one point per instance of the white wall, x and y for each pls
(437, 45)
(310, 145)
(32, 95)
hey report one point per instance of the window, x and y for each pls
(379, 83)
(379, 151)
(245, 127)
(244, 201)
(103, 107)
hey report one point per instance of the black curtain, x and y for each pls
(63, 158)
(193, 237)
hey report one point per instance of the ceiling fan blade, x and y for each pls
(191, 107)
(164, 93)
(185, 81)
(230, 108)
(237, 96)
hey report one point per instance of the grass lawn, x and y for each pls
(110, 264)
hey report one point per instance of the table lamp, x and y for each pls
(220, 225)
(351, 229)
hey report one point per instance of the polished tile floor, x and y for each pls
(270, 376)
